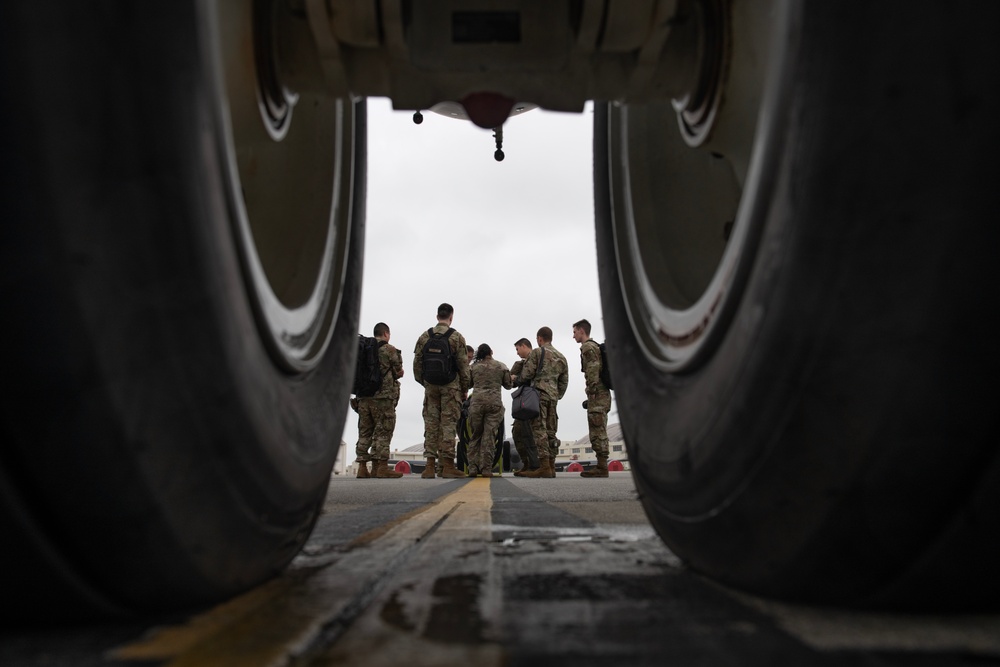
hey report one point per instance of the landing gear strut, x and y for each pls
(498, 135)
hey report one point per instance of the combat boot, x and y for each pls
(449, 471)
(428, 472)
(600, 470)
(543, 470)
(363, 470)
(383, 472)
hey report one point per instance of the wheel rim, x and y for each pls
(288, 156)
(685, 208)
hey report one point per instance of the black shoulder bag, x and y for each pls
(524, 400)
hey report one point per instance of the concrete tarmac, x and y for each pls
(507, 571)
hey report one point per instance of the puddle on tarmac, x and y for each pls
(509, 536)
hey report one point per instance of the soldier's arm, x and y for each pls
(591, 367)
(563, 380)
(399, 360)
(418, 358)
(504, 376)
(515, 371)
(464, 376)
(395, 363)
(529, 368)
(385, 357)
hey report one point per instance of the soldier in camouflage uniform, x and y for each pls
(377, 413)
(442, 403)
(550, 376)
(524, 441)
(554, 417)
(485, 410)
(598, 398)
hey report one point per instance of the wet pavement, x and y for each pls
(507, 571)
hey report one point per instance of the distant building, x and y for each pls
(344, 462)
(411, 453)
(580, 450)
(569, 451)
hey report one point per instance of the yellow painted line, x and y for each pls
(288, 617)
(400, 626)
(164, 643)
(474, 513)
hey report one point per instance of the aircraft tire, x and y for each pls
(812, 415)
(178, 326)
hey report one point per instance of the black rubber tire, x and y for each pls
(154, 454)
(838, 442)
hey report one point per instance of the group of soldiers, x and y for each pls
(542, 367)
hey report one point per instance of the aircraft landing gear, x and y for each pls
(498, 135)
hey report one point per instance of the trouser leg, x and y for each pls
(450, 410)
(597, 422)
(366, 430)
(491, 423)
(432, 420)
(527, 439)
(385, 426)
(551, 426)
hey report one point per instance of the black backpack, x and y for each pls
(438, 361)
(367, 375)
(605, 371)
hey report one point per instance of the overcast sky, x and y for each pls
(509, 244)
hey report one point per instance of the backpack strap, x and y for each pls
(541, 360)
(446, 335)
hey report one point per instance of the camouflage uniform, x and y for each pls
(442, 403)
(520, 431)
(598, 397)
(395, 382)
(485, 412)
(563, 383)
(377, 413)
(551, 382)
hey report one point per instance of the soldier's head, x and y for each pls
(483, 352)
(381, 331)
(523, 348)
(581, 331)
(544, 336)
(445, 313)
(471, 351)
